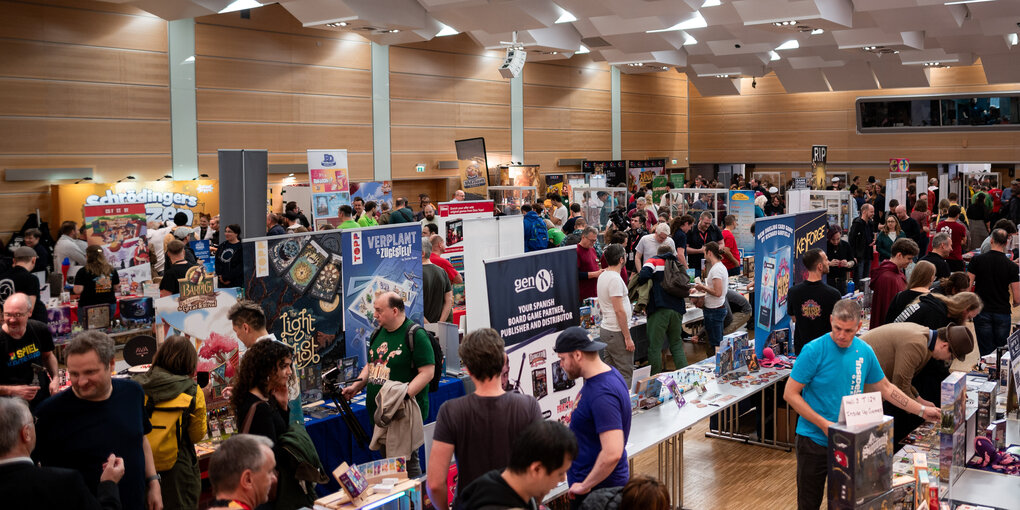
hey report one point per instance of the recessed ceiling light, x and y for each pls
(446, 30)
(395, 30)
(665, 67)
(792, 44)
(565, 17)
(238, 5)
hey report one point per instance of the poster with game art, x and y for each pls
(779, 244)
(474, 168)
(120, 230)
(380, 192)
(641, 173)
(327, 173)
(296, 279)
(450, 220)
(614, 171)
(522, 175)
(379, 259)
(539, 300)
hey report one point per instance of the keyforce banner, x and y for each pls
(379, 259)
(533, 293)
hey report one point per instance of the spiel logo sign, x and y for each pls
(542, 281)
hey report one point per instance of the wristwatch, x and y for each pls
(149, 479)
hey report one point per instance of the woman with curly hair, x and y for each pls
(259, 396)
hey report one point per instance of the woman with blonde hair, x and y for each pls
(96, 282)
(938, 310)
(919, 284)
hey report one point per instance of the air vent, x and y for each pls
(594, 42)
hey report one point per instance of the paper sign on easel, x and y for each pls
(861, 409)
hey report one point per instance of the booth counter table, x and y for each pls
(336, 444)
(663, 427)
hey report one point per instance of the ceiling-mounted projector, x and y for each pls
(513, 64)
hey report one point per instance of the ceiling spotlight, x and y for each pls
(167, 176)
(665, 68)
(785, 23)
(817, 31)
(395, 30)
(337, 24)
(636, 64)
(290, 174)
(83, 179)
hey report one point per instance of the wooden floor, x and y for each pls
(721, 474)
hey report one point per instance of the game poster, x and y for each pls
(522, 175)
(327, 173)
(615, 171)
(741, 207)
(782, 242)
(641, 173)
(529, 313)
(296, 280)
(450, 220)
(379, 259)
(380, 192)
(474, 168)
(120, 230)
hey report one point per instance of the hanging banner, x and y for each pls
(659, 187)
(677, 179)
(741, 207)
(379, 259)
(779, 246)
(120, 231)
(641, 173)
(380, 192)
(539, 300)
(898, 165)
(819, 155)
(614, 170)
(474, 168)
(295, 278)
(327, 173)
(161, 200)
(450, 220)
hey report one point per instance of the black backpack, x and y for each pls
(437, 351)
(675, 280)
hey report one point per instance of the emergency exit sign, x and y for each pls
(420, 168)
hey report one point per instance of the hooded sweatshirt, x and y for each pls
(886, 281)
(490, 491)
(929, 311)
(160, 385)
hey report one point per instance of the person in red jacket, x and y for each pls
(732, 265)
(887, 279)
(958, 232)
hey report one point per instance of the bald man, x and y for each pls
(29, 368)
(911, 228)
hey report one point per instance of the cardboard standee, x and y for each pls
(486, 239)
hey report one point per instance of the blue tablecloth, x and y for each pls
(335, 443)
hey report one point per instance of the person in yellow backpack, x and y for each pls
(176, 408)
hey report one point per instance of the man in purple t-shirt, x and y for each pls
(601, 417)
(588, 269)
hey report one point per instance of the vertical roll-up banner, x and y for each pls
(327, 173)
(379, 259)
(532, 297)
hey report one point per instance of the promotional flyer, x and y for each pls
(120, 231)
(161, 200)
(327, 173)
(779, 246)
(380, 192)
(379, 259)
(296, 280)
(450, 220)
(529, 313)
(741, 207)
(641, 173)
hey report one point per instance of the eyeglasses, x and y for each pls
(14, 315)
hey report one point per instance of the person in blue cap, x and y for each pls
(601, 417)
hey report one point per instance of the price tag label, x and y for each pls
(861, 409)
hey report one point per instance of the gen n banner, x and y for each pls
(327, 173)
(779, 246)
(296, 280)
(539, 300)
(741, 207)
(379, 259)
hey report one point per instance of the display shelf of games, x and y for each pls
(509, 199)
(598, 203)
(694, 201)
(840, 208)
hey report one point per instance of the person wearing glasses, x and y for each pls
(30, 370)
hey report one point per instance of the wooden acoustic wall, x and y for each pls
(654, 117)
(567, 112)
(269, 83)
(84, 84)
(766, 125)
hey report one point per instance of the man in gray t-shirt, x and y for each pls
(479, 427)
(437, 293)
(648, 246)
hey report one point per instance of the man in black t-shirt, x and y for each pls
(490, 416)
(941, 247)
(175, 271)
(994, 276)
(80, 427)
(19, 279)
(24, 343)
(810, 302)
(697, 238)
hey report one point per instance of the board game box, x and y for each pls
(860, 462)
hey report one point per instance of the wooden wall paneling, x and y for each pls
(31, 59)
(561, 97)
(567, 140)
(425, 138)
(547, 161)
(77, 99)
(835, 120)
(643, 140)
(403, 164)
(82, 27)
(643, 103)
(280, 137)
(437, 63)
(224, 105)
(359, 165)
(106, 167)
(27, 135)
(224, 73)
(541, 73)
(19, 205)
(438, 113)
(93, 5)
(665, 122)
(659, 84)
(222, 41)
(411, 188)
(438, 88)
(558, 118)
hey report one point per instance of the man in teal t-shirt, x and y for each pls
(829, 368)
(389, 359)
